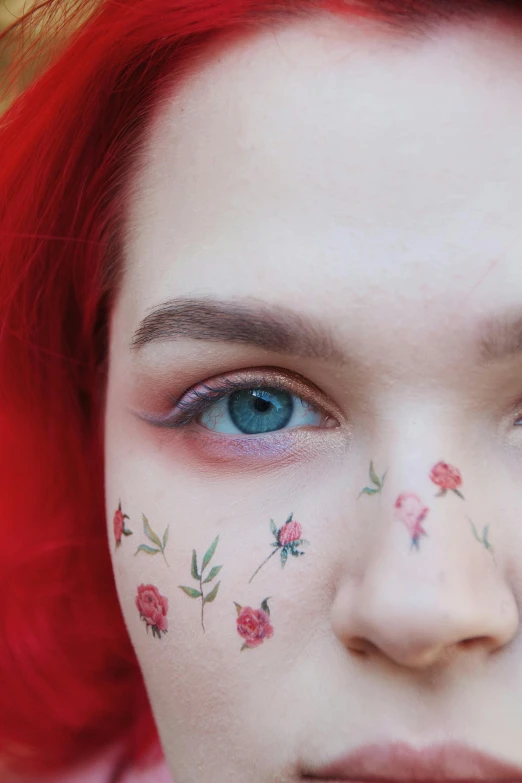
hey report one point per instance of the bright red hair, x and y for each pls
(70, 683)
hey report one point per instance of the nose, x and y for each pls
(428, 589)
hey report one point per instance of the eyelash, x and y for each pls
(191, 404)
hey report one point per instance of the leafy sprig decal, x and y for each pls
(287, 539)
(484, 539)
(152, 536)
(376, 481)
(199, 574)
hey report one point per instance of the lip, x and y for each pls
(401, 762)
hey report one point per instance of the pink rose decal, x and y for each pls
(153, 607)
(287, 540)
(290, 533)
(447, 478)
(118, 523)
(253, 625)
(410, 509)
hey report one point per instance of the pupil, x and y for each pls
(255, 411)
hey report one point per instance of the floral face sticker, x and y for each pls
(410, 509)
(484, 540)
(253, 625)
(152, 536)
(447, 478)
(198, 576)
(152, 607)
(287, 539)
(119, 525)
(378, 483)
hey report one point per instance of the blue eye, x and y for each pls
(257, 411)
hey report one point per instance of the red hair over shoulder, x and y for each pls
(70, 683)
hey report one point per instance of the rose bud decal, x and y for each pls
(152, 607)
(410, 509)
(119, 525)
(447, 478)
(287, 539)
(253, 625)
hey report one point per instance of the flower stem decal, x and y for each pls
(153, 607)
(287, 539)
(374, 478)
(253, 625)
(484, 539)
(410, 509)
(198, 575)
(119, 525)
(447, 478)
(152, 536)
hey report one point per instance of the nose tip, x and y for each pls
(426, 614)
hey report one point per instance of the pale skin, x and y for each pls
(371, 185)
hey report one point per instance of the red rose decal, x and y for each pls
(289, 533)
(253, 625)
(447, 478)
(411, 510)
(119, 525)
(153, 607)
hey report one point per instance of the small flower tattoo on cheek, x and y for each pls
(118, 523)
(198, 576)
(159, 545)
(253, 625)
(410, 510)
(378, 483)
(153, 608)
(287, 540)
(448, 478)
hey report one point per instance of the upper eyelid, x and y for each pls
(267, 377)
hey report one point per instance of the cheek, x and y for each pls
(203, 687)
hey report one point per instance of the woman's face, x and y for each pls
(314, 409)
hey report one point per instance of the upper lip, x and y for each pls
(401, 762)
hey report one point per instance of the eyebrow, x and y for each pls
(281, 330)
(272, 327)
(500, 338)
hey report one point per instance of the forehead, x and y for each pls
(334, 166)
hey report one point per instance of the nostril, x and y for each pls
(475, 641)
(361, 647)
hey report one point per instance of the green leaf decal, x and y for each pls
(149, 532)
(127, 532)
(148, 549)
(212, 575)
(383, 477)
(194, 567)
(373, 475)
(190, 591)
(265, 607)
(368, 491)
(211, 596)
(209, 553)
(238, 608)
(165, 537)
(273, 527)
(284, 556)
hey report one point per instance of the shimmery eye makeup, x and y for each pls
(249, 402)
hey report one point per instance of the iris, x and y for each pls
(255, 411)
